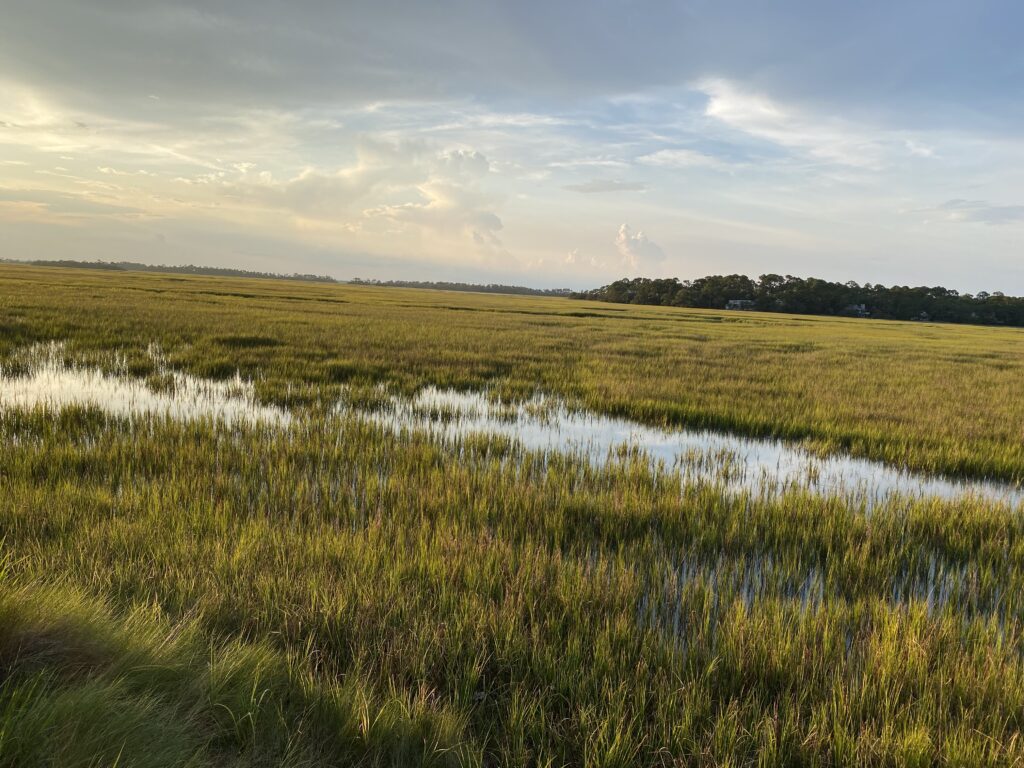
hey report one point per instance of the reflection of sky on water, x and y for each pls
(50, 383)
(540, 424)
(546, 424)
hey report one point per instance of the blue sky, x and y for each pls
(539, 143)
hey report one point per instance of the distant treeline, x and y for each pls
(811, 296)
(489, 288)
(191, 269)
(187, 269)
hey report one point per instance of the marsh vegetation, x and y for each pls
(318, 562)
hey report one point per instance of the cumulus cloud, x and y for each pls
(596, 186)
(636, 249)
(449, 199)
(449, 210)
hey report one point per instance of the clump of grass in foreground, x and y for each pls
(80, 686)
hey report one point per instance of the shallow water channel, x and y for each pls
(539, 424)
(547, 424)
(47, 381)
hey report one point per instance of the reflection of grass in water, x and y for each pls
(161, 382)
(369, 399)
(14, 369)
(505, 413)
(440, 413)
(726, 464)
(547, 410)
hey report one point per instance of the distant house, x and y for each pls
(856, 310)
(739, 304)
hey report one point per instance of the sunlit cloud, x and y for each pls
(824, 137)
(637, 250)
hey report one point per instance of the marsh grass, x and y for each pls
(331, 592)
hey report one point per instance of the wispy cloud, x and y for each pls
(919, 149)
(69, 206)
(826, 138)
(596, 186)
(981, 212)
(682, 158)
(319, 192)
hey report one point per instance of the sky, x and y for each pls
(538, 143)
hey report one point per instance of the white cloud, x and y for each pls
(449, 210)
(681, 158)
(595, 186)
(404, 182)
(447, 198)
(316, 192)
(918, 149)
(636, 249)
(825, 138)
(465, 163)
(576, 259)
(31, 119)
(78, 207)
(108, 171)
(589, 162)
(435, 195)
(507, 120)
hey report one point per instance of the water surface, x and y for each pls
(546, 424)
(47, 380)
